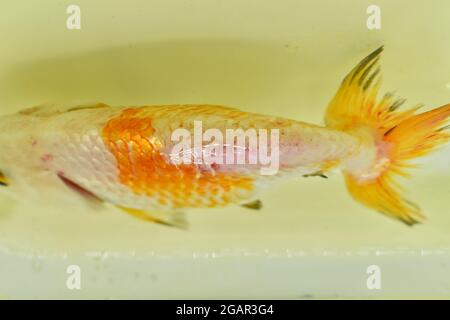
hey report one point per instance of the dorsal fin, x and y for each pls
(48, 110)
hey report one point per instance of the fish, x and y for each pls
(123, 156)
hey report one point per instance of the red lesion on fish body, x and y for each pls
(146, 170)
(215, 166)
(47, 158)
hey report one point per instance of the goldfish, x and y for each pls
(124, 156)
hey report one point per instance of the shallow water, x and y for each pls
(311, 239)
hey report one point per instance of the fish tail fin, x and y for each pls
(397, 137)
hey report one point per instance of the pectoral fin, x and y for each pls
(171, 219)
(86, 194)
(3, 179)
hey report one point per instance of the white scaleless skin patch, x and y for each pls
(122, 155)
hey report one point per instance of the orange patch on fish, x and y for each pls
(142, 167)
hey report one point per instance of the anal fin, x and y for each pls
(254, 205)
(171, 219)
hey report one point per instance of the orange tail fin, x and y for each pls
(402, 136)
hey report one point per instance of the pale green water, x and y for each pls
(284, 58)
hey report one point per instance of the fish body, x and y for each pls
(122, 154)
(125, 155)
